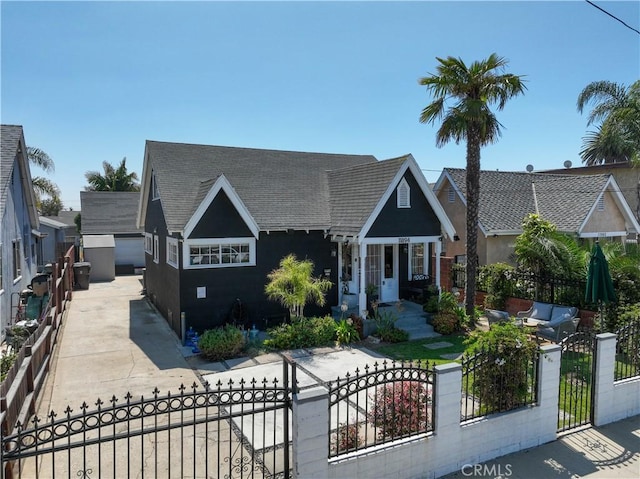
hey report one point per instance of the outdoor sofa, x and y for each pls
(553, 321)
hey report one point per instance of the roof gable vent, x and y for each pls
(403, 194)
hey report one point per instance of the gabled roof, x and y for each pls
(12, 147)
(109, 212)
(67, 217)
(281, 189)
(506, 197)
(50, 222)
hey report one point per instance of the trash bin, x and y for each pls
(82, 272)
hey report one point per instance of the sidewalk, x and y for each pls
(112, 342)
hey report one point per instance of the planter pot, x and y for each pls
(369, 327)
(351, 299)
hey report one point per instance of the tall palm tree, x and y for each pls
(43, 186)
(113, 179)
(617, 110)
(471, 89)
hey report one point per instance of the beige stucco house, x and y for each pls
(587, 206)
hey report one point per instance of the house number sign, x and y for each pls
(403, 240)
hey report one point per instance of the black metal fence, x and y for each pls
(628, 351)
(493, 382)
(380, 404)
(577, 366)
(239, 430)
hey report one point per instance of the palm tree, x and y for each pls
(293, 285)
(43, 186)
(114, 179)
(472, 89)
(617, 109)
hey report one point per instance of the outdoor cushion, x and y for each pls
(560, 313)
(558, 319)
(541, 311)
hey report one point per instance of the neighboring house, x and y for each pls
(57, 238)
(626, 175)
(218, 220)
(585, 206)
(114, 213)
(19, 235)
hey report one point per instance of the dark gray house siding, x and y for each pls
(419, 220)
(246, 283)
(221, 220)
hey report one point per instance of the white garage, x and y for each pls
(130, 251)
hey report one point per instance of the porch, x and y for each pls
(411, 317)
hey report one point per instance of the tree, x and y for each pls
(50, 206)
(472, 89)
(113, 179)
(617, 109)
(44, 186)
(294, 286)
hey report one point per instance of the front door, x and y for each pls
(389, 289)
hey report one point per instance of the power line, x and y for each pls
(613, 16)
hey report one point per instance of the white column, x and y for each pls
(362, 297)
(310, 430)
(437, 260)
(603, 397)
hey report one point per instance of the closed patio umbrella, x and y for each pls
(599, 285)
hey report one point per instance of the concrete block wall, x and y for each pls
(454, 444)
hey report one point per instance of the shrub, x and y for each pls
(392, 335)
(501, 367)
(358, 323)
(495, 278)
(302, 333)
(446, 323)
(5, 364)
(347, 437)
(399, 409)
(346, 332)
(221, 343)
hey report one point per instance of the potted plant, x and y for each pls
(372, 295)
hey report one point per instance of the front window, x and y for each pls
(148, 243)
(156, 249)
(218, 253)
(172, 252)
(417, 258)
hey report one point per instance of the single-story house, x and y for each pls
(19, 235)
(587, 206)
(218, 220)
(57, 238)
(115, 213)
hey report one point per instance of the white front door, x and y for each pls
(389, 289)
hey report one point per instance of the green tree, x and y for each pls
(50, 206)
(616, 110)
(113, 179)
(42, 186)
(293, 285)
(471, 90)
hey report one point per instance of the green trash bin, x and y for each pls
(82, 274)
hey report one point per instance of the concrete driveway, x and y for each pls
(113, 342)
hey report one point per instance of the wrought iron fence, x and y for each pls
(235, 430)
(494, 382)
(380, 404)
(628, 351)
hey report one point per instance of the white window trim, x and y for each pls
(403, 185)
(148, 243)
(172, 243)
(155, 194)
(156, 249)
(187, 244)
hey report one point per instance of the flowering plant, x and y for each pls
(346, 331)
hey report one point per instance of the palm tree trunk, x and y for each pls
(473, 197)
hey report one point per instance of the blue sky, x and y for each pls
(91, 81)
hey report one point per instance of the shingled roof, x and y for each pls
(281, 189)
(506, 197)
(109, 212)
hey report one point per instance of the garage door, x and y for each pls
(130, 251)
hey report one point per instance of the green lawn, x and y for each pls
(416, 350)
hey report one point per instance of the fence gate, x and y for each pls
(575, 398)
(236, 430)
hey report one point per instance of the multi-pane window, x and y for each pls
(172, 252)
(417, 258)
(148, 243)
(213, 253)
(17, 259)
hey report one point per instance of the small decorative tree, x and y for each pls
(293, 285)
